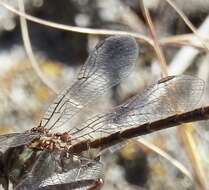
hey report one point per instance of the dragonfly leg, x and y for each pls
(89, 153)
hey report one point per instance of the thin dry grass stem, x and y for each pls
(184, 40)
(29, 51)
(165, 155)
(139, 37)
(180, 44)
(177, 38)
(191, 149)
(157, 47)
(188, 23)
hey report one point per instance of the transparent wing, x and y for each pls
(88, 175)
(44, 166)
(110, 62)
(47, 174)
(169, 96)
(16, 139)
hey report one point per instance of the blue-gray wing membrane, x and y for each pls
(110, 62)
(47, 174)
(173, 95)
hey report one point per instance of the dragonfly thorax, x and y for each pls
(51, 142)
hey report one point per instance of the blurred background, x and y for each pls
(36, 61)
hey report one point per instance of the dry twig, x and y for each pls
(157, 47)
(29, 51)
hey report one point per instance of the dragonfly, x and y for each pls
(110, 62)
